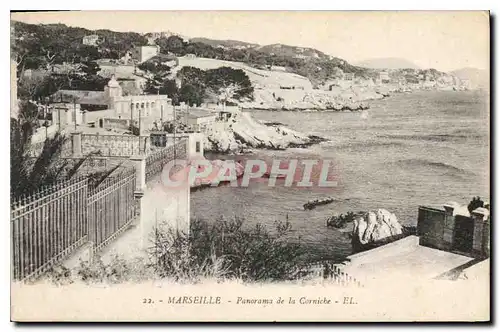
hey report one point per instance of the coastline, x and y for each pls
(244, 133)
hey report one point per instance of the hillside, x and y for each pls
(261, 79)
(387, 63)
(225, 43)
(38, 43)
(293, 51)
(479, 78)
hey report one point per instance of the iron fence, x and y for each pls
(47, 226)
(111, 208)
(158, 159)
(333, 273)
(52, 223)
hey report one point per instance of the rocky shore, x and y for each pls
(243, 133)
(337, 99)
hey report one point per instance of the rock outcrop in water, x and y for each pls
(213, 179)
(244, 132)
(374, 228)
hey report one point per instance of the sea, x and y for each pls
(407, 150)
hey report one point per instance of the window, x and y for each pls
(198, 147)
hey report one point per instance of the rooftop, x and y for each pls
(200, 113)
(82, 97)
(403, 259)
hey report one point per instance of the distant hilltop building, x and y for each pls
(164, 34)
(384, 77)
(144, 53)
(277, 68)
(90, 40)
(349, 77)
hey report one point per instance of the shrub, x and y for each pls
(475, 203)
(221, 250)
(225, 249)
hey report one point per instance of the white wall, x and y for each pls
(193, 139)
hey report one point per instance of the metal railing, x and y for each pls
(47, 226)
(52, 223)
(111, 208)
(156, 160)
(332, 272)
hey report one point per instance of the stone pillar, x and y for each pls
(84, 117)
(76, 139)
(480, 242)
(139, 162)
(449, 223)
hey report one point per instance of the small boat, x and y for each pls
(312, 204)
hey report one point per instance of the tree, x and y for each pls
(192, 94)
(164, 87)
(226, 80)
(174, 44)
(33, 87)
(191, 75)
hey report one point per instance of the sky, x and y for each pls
(445, 40)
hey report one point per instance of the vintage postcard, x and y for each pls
(250, 166)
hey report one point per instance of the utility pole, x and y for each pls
(140, 115)
(74, 111)
(132, 116)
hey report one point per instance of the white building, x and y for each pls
(199, 120)
(144, 53)
(149, 108)
(66, 114)
(91, 40)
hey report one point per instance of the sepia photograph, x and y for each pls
(260, 166)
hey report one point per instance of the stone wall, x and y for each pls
(430, 227)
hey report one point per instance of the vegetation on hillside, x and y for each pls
(196, 85)
(42, 46)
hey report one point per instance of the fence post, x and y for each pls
(139, 162)
(449, 224)
(76, 139)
